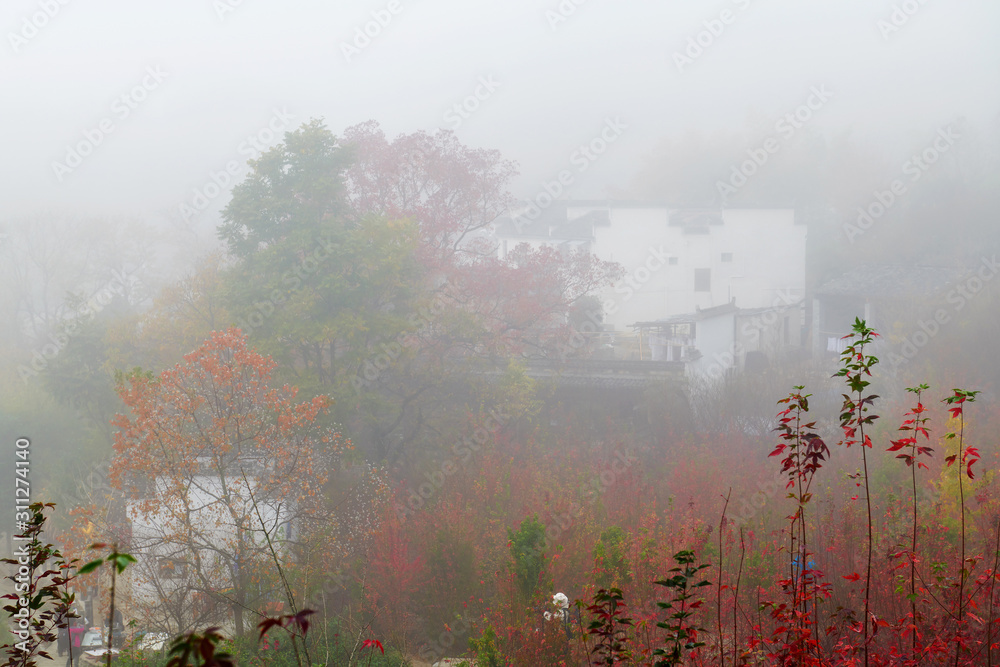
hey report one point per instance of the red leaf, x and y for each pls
(266, 625)
(369, 643)
(852, 577)
(302, 619)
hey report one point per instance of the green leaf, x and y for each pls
(91, 566)
(122, 561)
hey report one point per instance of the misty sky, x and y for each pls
(224, 66)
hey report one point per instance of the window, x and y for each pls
(172, 569)
(285, 531)
(727, 257)
(672, 261)
(702, 280)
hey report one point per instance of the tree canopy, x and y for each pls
(215, 463)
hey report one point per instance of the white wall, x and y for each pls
(714, 338)
(768, 260)
(164, 531)
(768, 266)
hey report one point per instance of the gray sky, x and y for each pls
(557, 82)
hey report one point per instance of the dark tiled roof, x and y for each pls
(685, 318)
(789, 305)
(892, 281)
(552, 223)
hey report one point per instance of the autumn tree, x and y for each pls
(310, 283)
(452, 191)
(456, 194)
(366, 267)
(222, 472)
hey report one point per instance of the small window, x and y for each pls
(702, 280)
(672, 261)
(727, 257)
(285, 531)
(172, 569)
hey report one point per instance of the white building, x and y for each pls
(210, 538)
(715, 342)
(885, 296)
(676, 261)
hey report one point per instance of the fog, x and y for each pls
(467, 305)
(560, 73)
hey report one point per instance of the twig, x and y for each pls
(718, 595)
(736, 593)
(281, 573)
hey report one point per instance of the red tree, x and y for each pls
(456, 193)
(223, 474)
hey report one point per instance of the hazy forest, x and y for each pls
(373, 382)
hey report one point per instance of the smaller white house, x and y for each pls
(719, 341)
(208, 536)
(885, 296)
